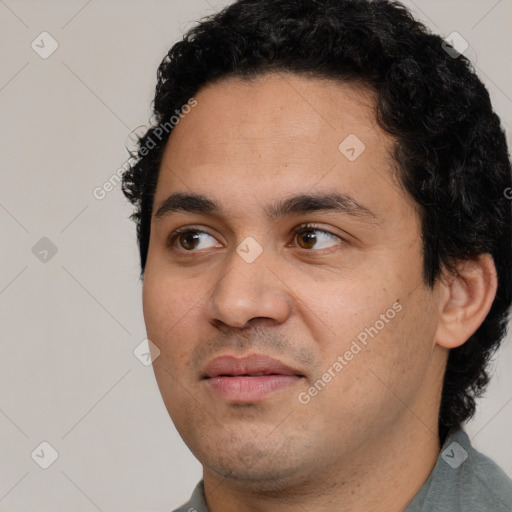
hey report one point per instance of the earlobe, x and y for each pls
(467, 297)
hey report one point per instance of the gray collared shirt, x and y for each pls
(463, 480)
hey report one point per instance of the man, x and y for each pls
(326, 251)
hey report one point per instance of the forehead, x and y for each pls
(275, 135)
(277, 114)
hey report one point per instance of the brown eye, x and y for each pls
(315, 238)
(188, 240)
(308, 238)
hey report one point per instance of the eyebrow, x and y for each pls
(294, 205)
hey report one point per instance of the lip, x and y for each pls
(248, 379)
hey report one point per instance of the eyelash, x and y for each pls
(303, 227)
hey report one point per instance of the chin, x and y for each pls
(256, 469)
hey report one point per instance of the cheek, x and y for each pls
(344, 309)
(373, 322)
(170, 305)
(155, 306)
(373, 365)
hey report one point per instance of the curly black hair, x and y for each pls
(450, 150)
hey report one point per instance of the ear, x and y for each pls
(467, 296)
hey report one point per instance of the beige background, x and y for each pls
(68, 326)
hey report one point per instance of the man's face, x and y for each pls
(340, 304)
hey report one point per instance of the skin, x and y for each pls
(368, 440)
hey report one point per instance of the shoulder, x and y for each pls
(483, 482)
(464, 479)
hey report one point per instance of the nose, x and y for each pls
(249, 290)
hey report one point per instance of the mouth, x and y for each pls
(249, 379)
